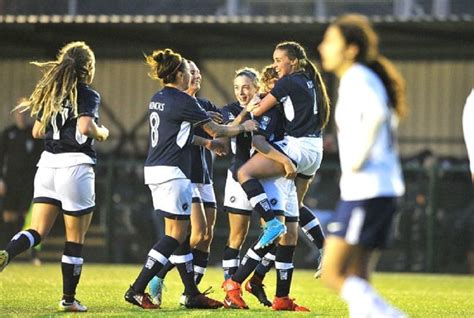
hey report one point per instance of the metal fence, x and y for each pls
(432, 231)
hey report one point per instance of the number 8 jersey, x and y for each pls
(64, 144)
(172, 115)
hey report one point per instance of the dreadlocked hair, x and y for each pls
(74, 63)
(294, 51)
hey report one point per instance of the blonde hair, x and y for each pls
(268, 73)
(250, 73)
(74, 63)
(164, 65)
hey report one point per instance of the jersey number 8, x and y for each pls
(154, 123)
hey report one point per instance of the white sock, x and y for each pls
(358, 293)
(364, 301)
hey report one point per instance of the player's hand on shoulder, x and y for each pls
(254, 103)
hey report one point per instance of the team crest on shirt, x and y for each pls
(185, 206)
(264, 122)
(274, 201)
(232, 199)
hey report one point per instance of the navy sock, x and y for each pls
(230, 261)
(200, 260)
(250, 261)
(183, 259)
(310, 225)
(265, 264)
(284, 268)
(258, 199)
(71, 268)
(165, 270)
(157, 257)
(21, 242)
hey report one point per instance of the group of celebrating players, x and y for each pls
(274, 130)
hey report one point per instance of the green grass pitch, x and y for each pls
(28, 291)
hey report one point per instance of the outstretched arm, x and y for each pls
(217, 131)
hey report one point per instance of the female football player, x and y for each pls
(172, 115)
(66, 109)
(203, 208)
(370, 103)
(302, 92)
(283, 198)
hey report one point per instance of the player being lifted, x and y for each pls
(302, 92)
(308, 222)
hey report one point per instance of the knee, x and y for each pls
(243, 175)
(208, 237)
(236, 240)
(290, 238)
(196, 238)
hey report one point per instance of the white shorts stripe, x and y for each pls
(310, 225)
(355, 226)
(72, 260)
(181, 259)
(199, 269)
(280, 265)
(257, 199)
(251, 253)
(270, 256)
(158, 256)
(231, 263)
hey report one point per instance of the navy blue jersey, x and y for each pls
(298, 95)
(62, 134)
(240, 144)
(203, 172)
(271, 124)
(172, 113)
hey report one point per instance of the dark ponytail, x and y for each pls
(322, 98)
(357, 30)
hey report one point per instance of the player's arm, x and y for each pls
(265, 148)
(240, 118)
(216, 130)
(258, 108)
(215, 145)
(37, 132)
(89, 128)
